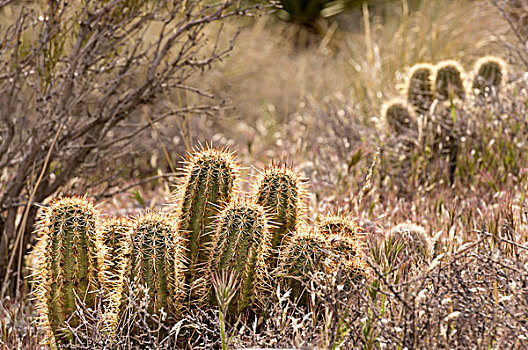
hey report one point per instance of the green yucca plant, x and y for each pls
(280, 191)
(419, 87)
(398, 116)
(211, 177)
(157, 262)
(489, 72)
(71, 264)
(241, 244)
(309, 12)
(448, 80)
(332, 224)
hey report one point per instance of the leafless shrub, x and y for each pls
(80, 82)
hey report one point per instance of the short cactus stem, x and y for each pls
(489, 72)
(71, 264)
(419, 87)
(282, 194)
(398, 116)
(310, 252)
(157, 262)
(116, 234)
(333, 224)
(303, 255)
(448, 80)
(211, 178)
(241, 244)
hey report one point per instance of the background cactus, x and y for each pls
(242, 244)
(71, 264)
(157, 261)
(488, 72)
(448, 80)
(280, 191)
(419, 89)
(398, 116)
(339, 224)
(211, 176)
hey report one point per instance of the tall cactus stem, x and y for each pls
(210, 178)
(282, 194)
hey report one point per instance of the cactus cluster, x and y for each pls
(444, 81)
(86, 261)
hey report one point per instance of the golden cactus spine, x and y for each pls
(157, 262)
(448, 80)
(71, 264)
(211, 177)
(489, 72)
(398, 116)
(419, 87)
(281, 192)
(241, 244)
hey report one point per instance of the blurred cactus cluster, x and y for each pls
(174, 261)
(433, 102)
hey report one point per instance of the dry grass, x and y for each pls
(318, 108)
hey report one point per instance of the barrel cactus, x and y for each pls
(211, 178)
(303, 255)
(281, 192)
(241, 244)
(157, 262)
(489, 73)
(332, 224)
(71, 264)
(419, 87)
(448, 80)
(309, 252)
(398, 116)
(116, 234)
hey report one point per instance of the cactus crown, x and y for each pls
(332, 224)
(398, 116)
(489, 72)
(448, 80)
(211, 178)
(71, 263)
(241, 243)
(157, 261)
(419, 87)
(282, 193)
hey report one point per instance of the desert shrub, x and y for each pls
(80, 82)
